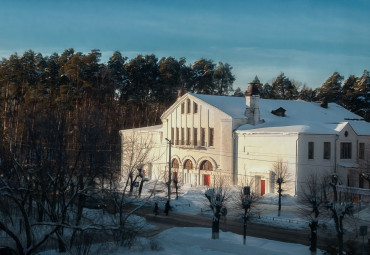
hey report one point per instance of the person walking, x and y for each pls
(167, 207)
(156, 209)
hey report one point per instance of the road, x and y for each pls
(257, 230)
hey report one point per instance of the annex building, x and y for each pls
(241, 138)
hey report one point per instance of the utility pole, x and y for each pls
(169, 169)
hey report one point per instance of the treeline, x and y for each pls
(88, 94)
(352, 93)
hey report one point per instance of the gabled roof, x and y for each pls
(197, 97)
(300, 116)
(233, 106)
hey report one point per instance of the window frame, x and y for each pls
(311, 150)
(195, 107)
(345, 150)
(361, 151)
(211, 135)
(202, 136)
(327, 150)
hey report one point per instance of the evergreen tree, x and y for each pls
(169, 71)
(238, 92)
(307, 94)
(266, 91)
(117, 75)
(223, 79)
(348, 93)
(362, 95)
(201, 81)
(283, 88)
(330, 90)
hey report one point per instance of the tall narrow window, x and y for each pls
(188, 141)
(326, 150)
(361, 151)
(172, 135)
(211, 136)
(182, 136)
(182, 108)
(177, 136)
(310, 150)
(195, 107)
(345, 150)
(202, 137)
(188, 103)
(195, 137)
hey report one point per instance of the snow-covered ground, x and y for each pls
(193, 201)
(194, 241)
(197, 241)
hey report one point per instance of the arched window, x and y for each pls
(206, 165)
(175, 163)
(188, 164)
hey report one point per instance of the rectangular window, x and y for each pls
(188, 105)
(188, 136)
(345, 150)
(202, 137)
(195, 136)
(182, 136)
(195, 107)
(310, 150)
(360, 181)
(172, 135)
(182, 108)
(361, 151)
(327, 150)
(177, 136)
(211, 136)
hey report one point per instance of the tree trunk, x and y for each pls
(245, 228)
(279, 199)
(313, 237)
(216, 228)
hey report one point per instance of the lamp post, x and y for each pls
(169, 169)
(246, 205)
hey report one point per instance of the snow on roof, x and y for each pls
(300, 116)
(145, 129)
(233, 106)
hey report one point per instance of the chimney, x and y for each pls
(252, 99)
(180, 93)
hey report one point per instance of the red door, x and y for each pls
(262, 187)
(206, 179)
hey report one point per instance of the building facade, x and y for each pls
(240, 139)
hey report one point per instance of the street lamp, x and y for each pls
(169, 169)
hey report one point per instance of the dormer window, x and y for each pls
(182, 108)
(279, 112)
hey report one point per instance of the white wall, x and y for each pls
(256, 154)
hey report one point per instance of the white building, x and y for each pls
(241, 138)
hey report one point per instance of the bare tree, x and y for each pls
(311, 199)
(282, 177)
(217, 197)
(338, 211)
(136, 152)
(17, 187)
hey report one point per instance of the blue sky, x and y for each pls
(307, 40)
